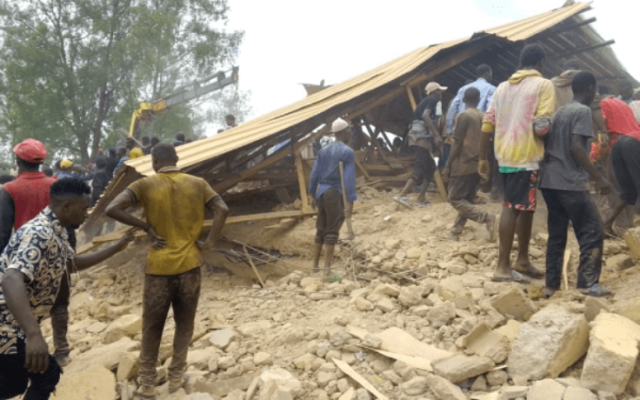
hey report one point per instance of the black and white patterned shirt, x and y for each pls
(40, 250)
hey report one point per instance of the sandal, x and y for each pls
(514, 277)
(403, 201)
(423, 204)
(145, 392)
(529, 271)
(596, 290)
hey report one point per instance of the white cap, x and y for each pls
(339, 125)
(433, 86)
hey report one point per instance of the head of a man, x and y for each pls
(101, 162)
(70, 201)
(485, 72)
(180, 137)
(584, 86)
(572, 65)
(154, 141)
(163, 155)
(230, 120)
(626, 89)
(112, 152)
(532, 57)
(130, 143)
(341, 130)
(121, 152)
(30, 154)
(471, 97)
(145, 141)
(435, 90)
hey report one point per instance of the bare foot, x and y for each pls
(525, 267)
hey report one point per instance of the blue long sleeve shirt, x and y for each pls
(326, 171)
(457, 105)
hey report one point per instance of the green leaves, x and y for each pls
(73, 71)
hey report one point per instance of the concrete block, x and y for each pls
(460, 367)
(547, 389)
(443, 389)
(485, 342)
(514, 303)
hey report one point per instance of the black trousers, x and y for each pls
(581, 210)
(330, 217)
(14, 378)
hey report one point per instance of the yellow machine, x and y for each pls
(183, 95)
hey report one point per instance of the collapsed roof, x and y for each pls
(383, 96)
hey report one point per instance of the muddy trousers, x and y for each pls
(462, 193)
(14, 378)
(60, 318)
(581, 210)
(160, 293)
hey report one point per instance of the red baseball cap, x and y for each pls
(31, 150)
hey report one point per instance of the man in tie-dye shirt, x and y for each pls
(519, 116)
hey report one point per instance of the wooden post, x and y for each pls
(255, 270)
(302, 184)
(412, 99)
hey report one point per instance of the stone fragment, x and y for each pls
(404, 371)
(235, 395)
(222, 338)
(514, 392)
(414, 253)
(460, 367)
(619, 262)
(443, 389)
(392, 376)
(612, 355)
(372, 341)
(411, 295)
(350, 394)
(485, 342)
(441, 314)
(199, 359)
(255, 327)
(415, 386)
(128, 367)
(262, 358)
(552, 341)
(108, 356)
(631, 310)
(514, 303)
(592, 307)
(96, 383)
(305, 361)
(284, 381)
(547, 389)
(578, 393)
(363, 304)
(480, 384)
(392, 244)
(389, 290)
(386, 305)
(510, 330)
(225, 362)
(497, 378)
(223, 387)
(127, 325)
(362, 394)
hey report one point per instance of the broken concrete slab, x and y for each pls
(619, 262)
(630, 310)
(396, 340)
(485, 342)
(515, 304)
(222, 338)
(443, 389)
(593, 307)
(255, 327)
(108, 356)
(547, 389)
(612, 355)
(127, 325)
(460, 367)
(578, 393)
(552, 341)
(95, 383)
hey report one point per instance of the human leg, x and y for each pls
(335, 218)
(625, 164)
(157, 297)
(558, 223)
(429, 169)
(185, 304)
(321, 222)
(60, 322)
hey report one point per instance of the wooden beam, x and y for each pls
(581, 50)
(412, 99)
(301, 182)
(561, 29)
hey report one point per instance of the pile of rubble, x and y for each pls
(419, 320)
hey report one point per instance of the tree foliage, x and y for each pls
(73, 71)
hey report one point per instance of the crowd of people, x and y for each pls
(41, 209)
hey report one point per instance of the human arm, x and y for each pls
(314, 181)
(116, 210)
(350, 182)
(15, 294)
(7, 218)
(454, 109)
(220, 211)
(459, 134)
(545, 109)
(85, 261)
(582, 131)
(488, 132)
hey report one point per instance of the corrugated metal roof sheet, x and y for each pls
(287, 117)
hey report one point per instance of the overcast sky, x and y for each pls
(288, 42)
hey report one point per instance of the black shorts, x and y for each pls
(330, 217)
(520, 190)
(424, 166)
(625, 161)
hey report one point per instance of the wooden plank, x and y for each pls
(301, 182)
(565, 272)
(412, 99)
(362, 169)
(344, 367)
(255, 270)
(412, 361)
(440, 184)
(581, 50)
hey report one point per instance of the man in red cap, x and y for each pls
(22, 200)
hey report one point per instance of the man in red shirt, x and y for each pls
(22, 200)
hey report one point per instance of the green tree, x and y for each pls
(72, 71)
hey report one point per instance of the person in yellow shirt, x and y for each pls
(134, 150)
(174, 206)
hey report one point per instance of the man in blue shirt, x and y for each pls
(485, 75)
(325, 189)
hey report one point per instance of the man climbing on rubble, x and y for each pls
(462, 166)
(518, 117)
(325, 190)
(564, 176)
(423, 138)
(32, 267)
(174, 206)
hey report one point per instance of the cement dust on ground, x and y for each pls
(402, 291)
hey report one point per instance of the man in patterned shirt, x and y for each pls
(32, 267)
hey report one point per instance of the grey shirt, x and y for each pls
(560, 170)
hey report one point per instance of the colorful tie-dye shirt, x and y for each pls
(520, 111)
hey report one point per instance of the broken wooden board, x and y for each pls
(415, 362)
(396, 340)
(565, 267)
(344, 367)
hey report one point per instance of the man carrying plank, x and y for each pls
(325, 190)
(174, 206)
